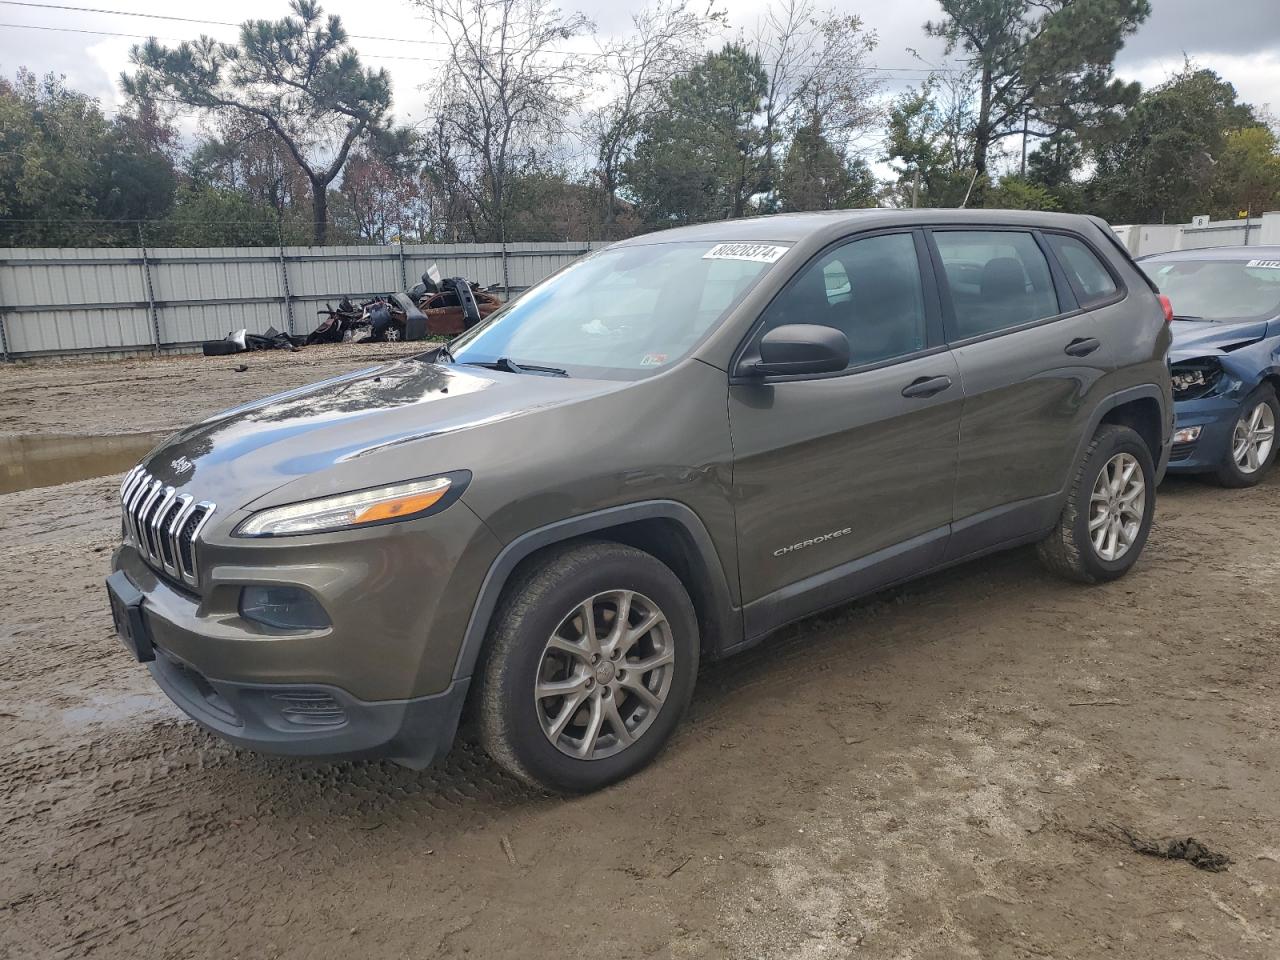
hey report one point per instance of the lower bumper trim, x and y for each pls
(314, 720)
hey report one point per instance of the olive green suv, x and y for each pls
(657, 456)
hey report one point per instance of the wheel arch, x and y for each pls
(665, 529)
(1142, 415)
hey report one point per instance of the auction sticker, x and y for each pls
(1268, 264)
(756, 252)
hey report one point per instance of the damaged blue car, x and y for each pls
(1225, 359)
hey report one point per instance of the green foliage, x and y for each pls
(206, 216)
(1248, 173)
(296, 77)
(702, 158)
(67, 174)
(816, 176)
(930, 135)
(1047, 63)
(1015, 193)
(1161, 165)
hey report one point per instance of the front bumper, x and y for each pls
(1216, 417)
(309, 720)
(378, 681)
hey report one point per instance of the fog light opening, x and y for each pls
(285, 608)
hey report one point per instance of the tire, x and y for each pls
(1231, 473)
(516, 727)
(1070, 550)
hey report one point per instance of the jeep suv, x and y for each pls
(661, 454)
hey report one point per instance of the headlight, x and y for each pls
(401, 501)
(1193, 379)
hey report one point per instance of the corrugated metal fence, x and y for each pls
(67, 301)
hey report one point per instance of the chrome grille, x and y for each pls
(163, 524)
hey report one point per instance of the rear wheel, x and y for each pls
(1252, 448)
(1109, 509)
(589, 666)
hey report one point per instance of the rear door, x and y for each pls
(1028, 356)
(832, 469)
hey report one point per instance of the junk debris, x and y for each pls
(241, 341)
(452, 304)
(437, 306)
(1171, 848)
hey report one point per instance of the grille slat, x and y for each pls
(163, 524)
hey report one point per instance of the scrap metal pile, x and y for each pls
(436, 306)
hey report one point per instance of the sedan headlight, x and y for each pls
(1193, 379)
(401, 501)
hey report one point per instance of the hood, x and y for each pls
(1201, 338)
(345, 424)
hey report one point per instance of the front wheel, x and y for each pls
(589, 666)
(1109, 509)
(1252, 448)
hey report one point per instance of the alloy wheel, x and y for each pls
(392, 334)
(604, 675)
(1117, 506)
(1253, 437)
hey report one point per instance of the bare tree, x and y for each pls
(666, 39)
(505, 91)
(818, 73)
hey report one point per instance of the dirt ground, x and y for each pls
(931, 773)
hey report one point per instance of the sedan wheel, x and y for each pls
(605, 674)
(1117, 506)
(1253, 438)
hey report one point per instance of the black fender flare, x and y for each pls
(1143, 391)
(724, 618)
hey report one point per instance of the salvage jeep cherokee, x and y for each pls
(660, 454)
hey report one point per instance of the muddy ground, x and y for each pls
(931, 773)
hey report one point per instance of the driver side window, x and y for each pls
(867, 289)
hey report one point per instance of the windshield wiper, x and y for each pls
(507, 365)
(443, 353)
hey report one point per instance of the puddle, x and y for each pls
(129, 708)
(42, 461)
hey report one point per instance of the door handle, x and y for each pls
(926, 386)
(1082, 346)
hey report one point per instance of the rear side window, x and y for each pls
(1084, 268)
(868, 289)
(997, 278)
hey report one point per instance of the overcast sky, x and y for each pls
(1238, 38)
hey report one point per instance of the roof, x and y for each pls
(793, 227)
(1215, 253)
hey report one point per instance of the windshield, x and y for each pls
(623, 312)
(1219, 289)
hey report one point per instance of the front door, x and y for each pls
(842, 478)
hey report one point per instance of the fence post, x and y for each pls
(284, 280)
(151, 297)
(404, 277)
(4, 340)
(506, 278)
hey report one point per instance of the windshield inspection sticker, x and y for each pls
(1268, 264)
(756, 252)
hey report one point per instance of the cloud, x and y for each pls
(1223, 27)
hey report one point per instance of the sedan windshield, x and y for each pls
(1219, 289)
(623, 312)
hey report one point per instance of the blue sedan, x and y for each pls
(1225, 359)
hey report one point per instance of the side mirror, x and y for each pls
(801, 348)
